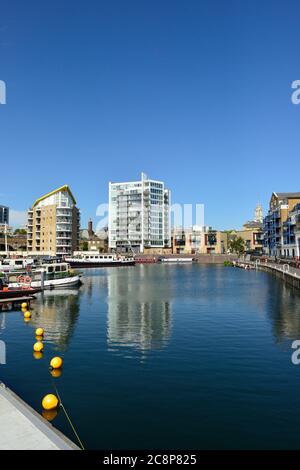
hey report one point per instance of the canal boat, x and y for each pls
(99, 260)
(48, 276)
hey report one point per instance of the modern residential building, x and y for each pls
(4, 215)
(291, 234)
(186, 240)
(198, 240)
(139, 215)
(53, 224)
(281, 225)
(214, 242)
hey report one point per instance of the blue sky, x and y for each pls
(195, 93)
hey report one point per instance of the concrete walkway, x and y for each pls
(22, 428)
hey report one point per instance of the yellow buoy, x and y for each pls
(56, 373)
(39, 332)
(50, 402)
(27, 314)
(38, 346)
(56, 362)
(39, 338)
(24, 305)
(49, 415)
(37, 354)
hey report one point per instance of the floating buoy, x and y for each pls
(56, 363)
(24, 305)
(37, 355)
(38, 346)
(49, 415)
(27, 314)
(39, 332)
(50, 402)
(56, 373)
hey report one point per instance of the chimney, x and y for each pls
(90, 228)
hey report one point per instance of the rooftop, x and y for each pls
(288, 195)
(62, 188)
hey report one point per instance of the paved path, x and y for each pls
(285, 268)
(22, 428)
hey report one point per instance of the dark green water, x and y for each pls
(195, 357)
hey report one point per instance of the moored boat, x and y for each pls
(7, 293)
(15, 264)
(176, 260)
(99, 260)
(48, 276)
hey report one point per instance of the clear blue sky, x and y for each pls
(196, 93)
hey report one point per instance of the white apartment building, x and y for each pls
(139, 215)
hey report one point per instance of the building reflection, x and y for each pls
(57, 313)
(139, 315)
(284, 310)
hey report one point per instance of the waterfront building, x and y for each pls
(291, 234)
(214, 242)
(139, 215)
(187, 240)
(53, 224)
(252, 235)
(198, 240)
(4, 215)
(280, 225)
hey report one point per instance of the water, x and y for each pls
(194, 356)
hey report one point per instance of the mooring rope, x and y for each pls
(67, 416)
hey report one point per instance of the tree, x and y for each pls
(20, 231)
(85, 246)
(237, 245)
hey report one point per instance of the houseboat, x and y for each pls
(98, 260)
(47, 276)
(15, 264)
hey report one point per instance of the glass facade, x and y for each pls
(4, 215)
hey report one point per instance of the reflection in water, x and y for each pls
(139, 315)
(57, 314)
(284, 310)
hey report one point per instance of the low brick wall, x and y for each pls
(199, 258)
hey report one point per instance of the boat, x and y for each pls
(99, 260)
(176, 260)
(145, 259)
(8, 293)
(15, 264)
(47, 276)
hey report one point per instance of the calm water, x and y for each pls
(155, 356)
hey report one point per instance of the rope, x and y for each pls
(68, 417)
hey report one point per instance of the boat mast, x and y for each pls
(5, 238)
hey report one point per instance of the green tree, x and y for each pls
(237, 245)
(20, 231)
(85, 246)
